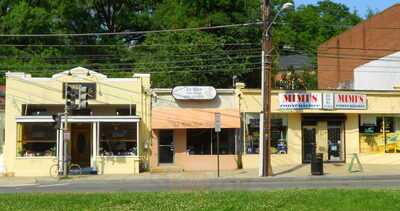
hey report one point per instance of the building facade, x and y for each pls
(337, 124)
(183, 128)
(372, 39)
(109, 137)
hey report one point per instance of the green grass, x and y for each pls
(327, 199)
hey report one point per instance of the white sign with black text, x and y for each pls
(194, 92)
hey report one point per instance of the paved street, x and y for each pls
(255, 184)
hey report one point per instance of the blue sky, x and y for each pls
(360, 5)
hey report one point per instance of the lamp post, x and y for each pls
(265, 168)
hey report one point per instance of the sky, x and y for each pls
(360, 5)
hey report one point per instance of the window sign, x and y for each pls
(300, 100)
(350, 101)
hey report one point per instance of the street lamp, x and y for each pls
(285, 6)
(265, 168)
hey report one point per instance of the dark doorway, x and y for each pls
(335, 142)
(166, 147)
(81, 144)
(309, 143)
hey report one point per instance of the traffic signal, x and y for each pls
(71, 95)
(57, 121)
(83, 97)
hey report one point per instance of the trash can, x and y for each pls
(317, 164)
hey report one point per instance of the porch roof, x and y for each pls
(79, 119)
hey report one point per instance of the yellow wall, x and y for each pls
(117, 165)
(24, 89)
(384, 102)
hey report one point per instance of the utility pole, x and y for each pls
(265, 117)
(66, 134)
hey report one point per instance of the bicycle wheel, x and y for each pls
(54, 170)
(75, 169)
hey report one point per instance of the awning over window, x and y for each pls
(79, 119)
(179, 118)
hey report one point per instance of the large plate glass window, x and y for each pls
(118, 139)
(36, 139)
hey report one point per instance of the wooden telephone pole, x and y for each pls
(265, 117)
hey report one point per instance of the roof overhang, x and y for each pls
(79, 119)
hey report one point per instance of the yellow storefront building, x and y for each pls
(338, 124)
(108, 137)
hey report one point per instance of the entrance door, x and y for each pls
(335, 152)
(80, 144)
(166, 147)
(309, 142)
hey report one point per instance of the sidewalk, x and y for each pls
(282, 172)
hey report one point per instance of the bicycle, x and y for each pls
(72, 167)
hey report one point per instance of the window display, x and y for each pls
(118, 139)
(381, 135)
(278, 133)
(36, 139)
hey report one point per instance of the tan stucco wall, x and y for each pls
(383, 102)
(117, 165)
(24, 89)
(293, 157)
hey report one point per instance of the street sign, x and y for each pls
(217, 122)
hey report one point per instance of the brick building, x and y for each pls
(377, 37)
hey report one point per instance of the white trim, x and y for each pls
(80, 119)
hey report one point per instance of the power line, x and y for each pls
(145, 63)
(127, 45)
(130, 33)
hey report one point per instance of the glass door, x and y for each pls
(166, 149)
(335, 142)
(309, 142)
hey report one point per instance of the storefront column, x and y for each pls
(352, 136)
(294, 137)
(95, 144)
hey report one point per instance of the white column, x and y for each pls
(60, 147)
(94, 145)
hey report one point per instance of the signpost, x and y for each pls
(217, 130)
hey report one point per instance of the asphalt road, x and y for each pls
(261, 184)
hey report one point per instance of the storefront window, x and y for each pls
(36, 139)
(118, 139)
(204, 141)
(379, 134)
(278, 133)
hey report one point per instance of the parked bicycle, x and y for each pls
(73, 169)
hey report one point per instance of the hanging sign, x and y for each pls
(300, 100)
(350, 101)
(194, 92)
